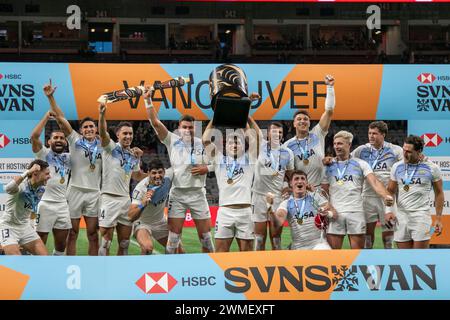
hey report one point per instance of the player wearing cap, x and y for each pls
(344, 179)
(412, 181)
(83, 193)
(24, 193)
(53, 210)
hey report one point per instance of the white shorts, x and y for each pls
(374, 210)
(17, 234)
(157, 230)
(309, 245)
(113, 210)
(348, 223)
(259, 207)
(232, 223)
(52, 215)
(415, 228)
(194, 199)
(83, 202)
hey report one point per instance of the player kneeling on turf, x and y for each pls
(307, 214)
(147, 208)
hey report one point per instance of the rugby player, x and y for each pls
(412, 181)
(53, 210)
(24, 193)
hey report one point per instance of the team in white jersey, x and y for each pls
(302, 211)
(83, 193)
(273, 165)
(381, 156)
(53, 210)
(412, 180)
(147, 208)
(344, 180)
(189, 163)
(24, 193)
(120, 164)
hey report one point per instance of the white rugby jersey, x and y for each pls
(21, 204)
(118, 165)
(59, 165)
(422, 176)
(311, 148)
(381, 162)
(348, 196)
(304, 209)
(182, 158)
(270, 169)
(241, 172)
(82, 152)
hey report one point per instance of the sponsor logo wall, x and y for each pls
(297, 275)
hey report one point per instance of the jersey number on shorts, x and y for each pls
(38, 216)
(5, 233)
(102, 214)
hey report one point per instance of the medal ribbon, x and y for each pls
(273, 164)
(374, 162)
(230, 173)
(407, 179)
(92, 150)
(59, 160)
(32, 196)
(300, 211)
(304, 151)
(341, 174)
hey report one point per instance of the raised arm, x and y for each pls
(36, 144)
(256, 136)
(160, 128)
(13, 186)
(64, 125)
(330, 101)
(102, 126)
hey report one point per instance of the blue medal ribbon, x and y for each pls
(374, 162)
(305, 150)
(341, 174)
(60, 165)
(91, 148)
(407, 178)
(300, 211)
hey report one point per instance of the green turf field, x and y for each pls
(190, 242)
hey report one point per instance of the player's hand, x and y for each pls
(329, 80)
(388, 200)
(438, 227)
(102, 108)
(326, 161)
(199, 170)
(137, 152)
(49, 89)
(286, 193)
(50, 115)
(148, 92)
(34, 168)
(310, 188)
(390, 220)
(148, 197)
(254, 96)
(269, 198)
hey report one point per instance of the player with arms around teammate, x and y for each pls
(147, 207)
(309, 145)
(412, 180)
(53, 210)
(24, 193)
(83, 193)
(274, 163)
(301, 211)
(344, 179)
(120, 165)
(381, 156)
(188, 160)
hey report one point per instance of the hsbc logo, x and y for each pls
(426, 78)
(156, 282)
(432, 139)
(4, 140)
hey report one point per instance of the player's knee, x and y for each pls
(276, 243)
(172, 242)
(368, 242)
(388, 242)
(104, 247)
(259, 242)
(92, 236)
(207, 241)
(73, 234)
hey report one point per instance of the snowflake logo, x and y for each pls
(422, 105)
(345, 278)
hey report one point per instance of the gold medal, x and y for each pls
(275, 174)
(62, 180)
(230, 181)
(305, 162)
(126, 176)
(33, 216)
(92, 167)
(406, 187)
(340, 182)
(299, 220)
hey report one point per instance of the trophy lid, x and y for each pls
(227, 80)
